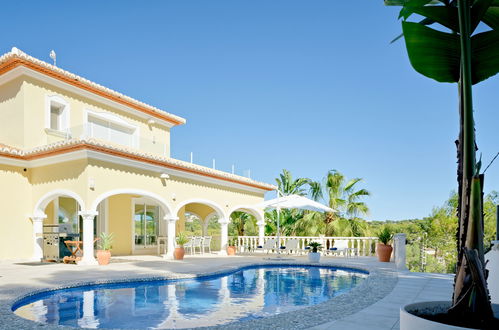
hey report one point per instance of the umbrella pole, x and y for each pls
(278, 231)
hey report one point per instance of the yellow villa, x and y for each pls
(86, 159)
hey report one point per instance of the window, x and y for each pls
(57, 114)
(56, 117)
(105, 126)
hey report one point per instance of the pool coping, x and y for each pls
(379, 283)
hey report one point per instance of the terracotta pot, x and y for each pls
(384, 252)
(103, 257)
(179, 252)
(231, 250)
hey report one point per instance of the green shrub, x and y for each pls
(385, 235)
(182, 239)
(105, 241)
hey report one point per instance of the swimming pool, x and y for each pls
(248, 293)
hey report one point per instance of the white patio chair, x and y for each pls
(291, 246)
(206, 243)
(189, 244)
(341, 247)
(197, 244)
(194, 243)
(269, 245)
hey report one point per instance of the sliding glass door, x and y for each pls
(146, 224)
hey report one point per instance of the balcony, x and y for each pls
(111, 135)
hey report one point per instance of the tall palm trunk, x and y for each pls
(470, 300)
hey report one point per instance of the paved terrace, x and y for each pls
(374, 304)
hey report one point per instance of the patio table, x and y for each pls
(75, 247)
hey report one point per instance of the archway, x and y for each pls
(58, 211)
(136, 220)
(194, 224)
(247, 226)
(212, 221)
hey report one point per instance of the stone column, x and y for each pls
(88, 320)
(171, 221)
(88, 238)
(261, 233)
(38, 236)
(399, 251)
(224, 228)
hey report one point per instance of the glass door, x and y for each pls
(146, 225)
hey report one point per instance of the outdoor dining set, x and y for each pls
(198, 242)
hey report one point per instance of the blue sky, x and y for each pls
(304, 85)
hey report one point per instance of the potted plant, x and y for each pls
(231, 248)
(384, 249)
(104, 248)
(314, 255)
(179, 252)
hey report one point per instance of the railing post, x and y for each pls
(399, 251)
(261, 233)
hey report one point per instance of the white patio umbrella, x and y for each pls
(292, 202)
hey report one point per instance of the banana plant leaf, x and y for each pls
(432, 53)
(485, 55)
(436, 54)
(491, 18)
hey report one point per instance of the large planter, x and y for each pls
(409, 319)
(384, 252)
(231, 250)
(103, 257)
(314, 256)
(178, 253)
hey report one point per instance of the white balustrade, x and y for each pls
(360, 246)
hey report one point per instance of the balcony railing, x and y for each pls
(360, 246)
(150, 145)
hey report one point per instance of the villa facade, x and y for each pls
(79, 155)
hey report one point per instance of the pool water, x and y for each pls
(251, 292)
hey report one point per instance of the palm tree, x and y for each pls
(241, 222)
(345, 199)
(288, 186)
(355, 227)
